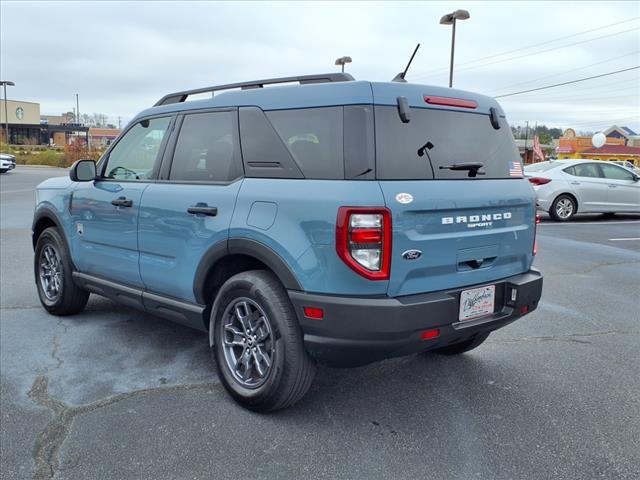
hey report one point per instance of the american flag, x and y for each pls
(515, 169)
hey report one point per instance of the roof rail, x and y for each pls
(179, 97)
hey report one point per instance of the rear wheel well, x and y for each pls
(223, 270)
(41, 225)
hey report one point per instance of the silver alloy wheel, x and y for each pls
(50, 272)
(247, 342)
(564, 208)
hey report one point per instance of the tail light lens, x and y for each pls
(363, 240)
(539, 180)
(535, 234)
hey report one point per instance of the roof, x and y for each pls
(330, 94)
(629, 131)
(613, 150)
(104, 132)
(565, 150)
(625, 131)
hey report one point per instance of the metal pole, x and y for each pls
(6, 116)
(343, 68)
(526, 140)
(453, 46)
(78, 107)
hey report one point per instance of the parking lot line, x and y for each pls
(623, 239)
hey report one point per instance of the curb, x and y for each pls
(39, 166)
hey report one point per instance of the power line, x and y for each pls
(539, 44)
(597, 89)
(567, 83)
(568, 71)
(533, 53)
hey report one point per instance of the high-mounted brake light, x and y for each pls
(363, 240)
(450, 102)
(539, 180)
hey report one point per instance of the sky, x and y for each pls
(121, 57)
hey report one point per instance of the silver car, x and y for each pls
(566, 187)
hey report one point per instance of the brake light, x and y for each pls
(535, 234)
(363, 240)
(450, 102)
(539, 180)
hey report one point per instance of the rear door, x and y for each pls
(188, 211)
(450, 229)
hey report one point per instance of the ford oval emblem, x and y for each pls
(412, 254)
(404, 198)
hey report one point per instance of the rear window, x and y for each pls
(453, 138)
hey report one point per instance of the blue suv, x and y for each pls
(301, 220)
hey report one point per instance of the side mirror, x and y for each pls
(83, 171)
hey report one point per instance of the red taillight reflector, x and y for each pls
(538, 218)
(314, 312)
(366, 235)
(429, 334)
(524, 309)
(539, 180)
(451, 102)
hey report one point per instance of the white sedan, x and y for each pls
(566, 187)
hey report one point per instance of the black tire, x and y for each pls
(69, 299)
(563, 208)
(458, 348)
(259, 295)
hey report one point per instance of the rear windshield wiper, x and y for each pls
(472, 168)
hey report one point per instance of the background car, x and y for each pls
(6, 164)
(627, 164)
(566, 187)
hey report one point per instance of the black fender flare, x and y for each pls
(242, 246)
(52, 215)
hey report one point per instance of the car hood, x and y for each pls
(57, 183)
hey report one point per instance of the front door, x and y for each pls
(188, 211)
(589, 186)
(105, 211)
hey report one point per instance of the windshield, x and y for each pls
(448, 138)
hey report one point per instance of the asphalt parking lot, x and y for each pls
(113, 393)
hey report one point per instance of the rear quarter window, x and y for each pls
(456, 137)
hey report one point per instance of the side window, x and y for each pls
(314, 138)
(614, 172)
(134, 156)
(589, 170)
(206, 149)
(570, 170)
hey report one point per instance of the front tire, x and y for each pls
(257, 343)
(53, 269)
(563, 208)
(462, 347)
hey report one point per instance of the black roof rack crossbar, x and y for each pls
(179, 97)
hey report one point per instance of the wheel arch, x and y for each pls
(43, 219)
(225, 259)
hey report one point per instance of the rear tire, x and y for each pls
(458, 348)
(258, 344)
(563, 208)
(53, 270)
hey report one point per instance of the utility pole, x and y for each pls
(78, 107)
(4, 84)
(526, 141)
(119, 123)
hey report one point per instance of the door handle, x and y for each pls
(612, 186)
(575, 183)
(122, 202)
(203, 209)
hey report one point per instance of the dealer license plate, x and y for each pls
(477, 302)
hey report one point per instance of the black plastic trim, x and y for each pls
(268, 256)
(215, 253)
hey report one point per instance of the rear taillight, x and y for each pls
(539, 180)
(535, 234)
(363, 240)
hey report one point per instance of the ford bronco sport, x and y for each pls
(322, 219)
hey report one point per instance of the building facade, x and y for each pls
(622, 144)
(24, 122)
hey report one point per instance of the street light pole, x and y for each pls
(450, 19)
(4, 84)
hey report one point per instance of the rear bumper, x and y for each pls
(360, 330)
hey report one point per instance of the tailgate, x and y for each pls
(468, 232)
